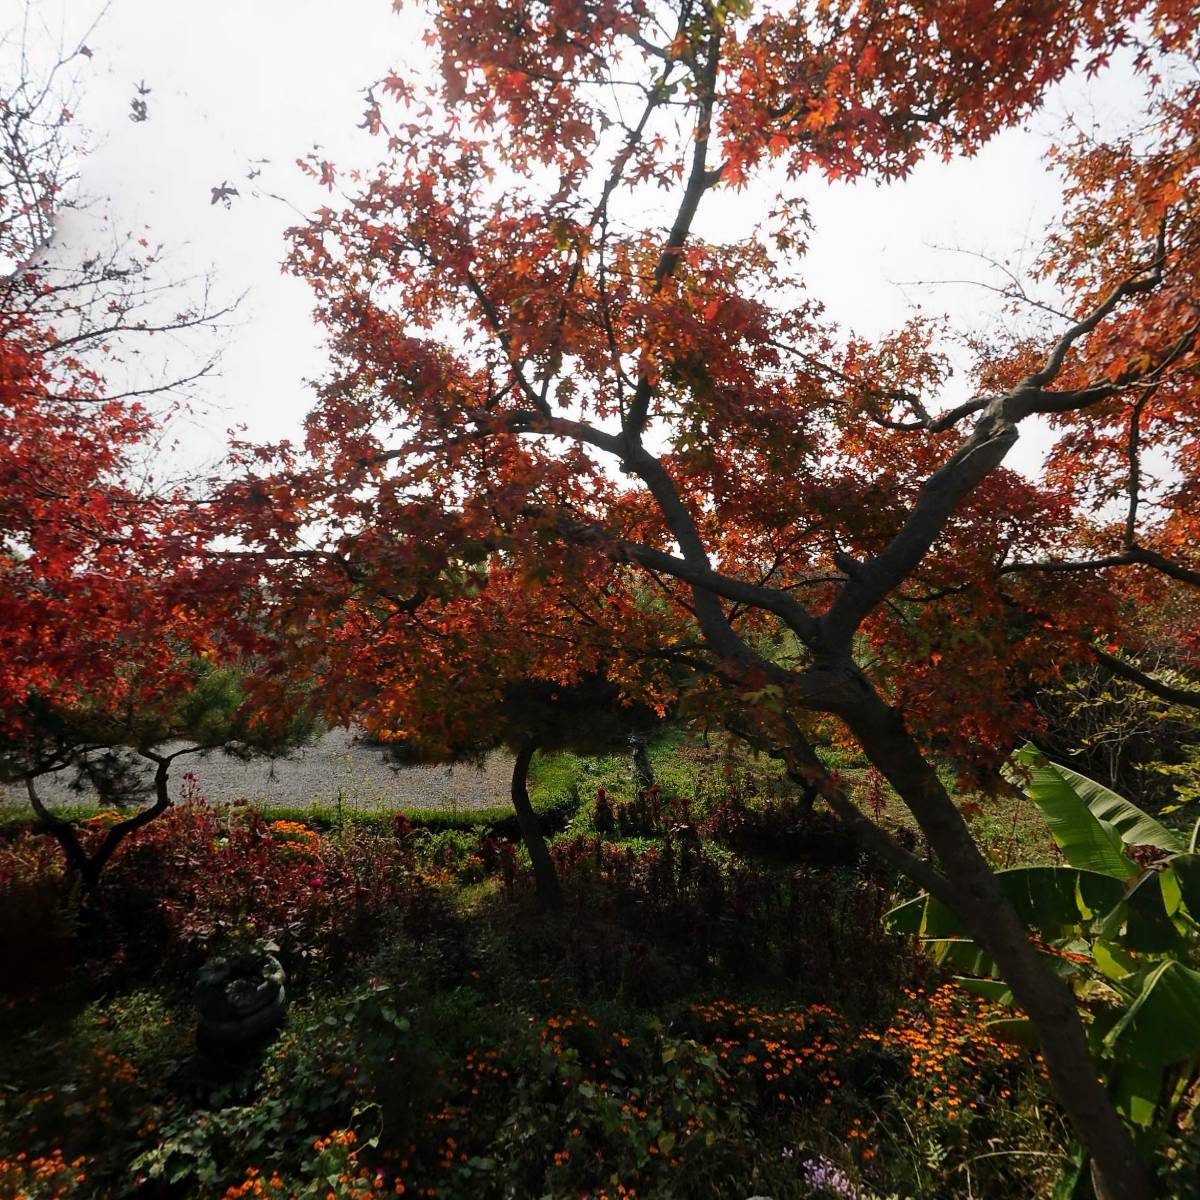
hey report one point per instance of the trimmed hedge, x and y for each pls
(18, 816)
(554, 811)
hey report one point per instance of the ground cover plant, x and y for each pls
(717, 1011)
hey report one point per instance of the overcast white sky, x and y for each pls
(232, 81)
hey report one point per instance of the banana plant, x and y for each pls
(1119, 920)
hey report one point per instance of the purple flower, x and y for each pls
(823, 1175)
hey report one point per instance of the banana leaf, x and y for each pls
(995, 990)
(1185, 873)
(1050, 900)
(1148, 926)
(1162, 1024)
(1089, 822)
(1137, 1089)
(1114, 961)
(961, 955)
(1019, 1031)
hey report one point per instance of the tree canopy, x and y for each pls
(548, 404)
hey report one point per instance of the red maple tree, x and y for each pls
(120, 641)
(117, 633)
(556, 422)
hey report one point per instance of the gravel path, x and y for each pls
(317, 774)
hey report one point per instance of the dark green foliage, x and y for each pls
(107, 751)
(1113, 730)
(586, 717)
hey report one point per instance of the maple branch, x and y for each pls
(492, 320)
(1015, 290)
(1130, 556)
(1133, 485)
(805, 768)
(648, 47)
(90, 866)
(947, 419)
(180, 323)
(600, 217)
(1151, 558)
(937, 594)
(704, 576)
(62, 831)
(869, 582)
(492, 317)
(354, 574)
(994, 434)
(610, 334)
(120, 831)
(925, 420)
(695, 561)
(1164, 691)
(813, 581)
(661, 486)
(1063, 565)
(922, 873)
(519, 421)
(1103, 389)
(489, 424)
(712, 619)
(1134, 285)
(36, 159)
(157, 389)
(700, 179)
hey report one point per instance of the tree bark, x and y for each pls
(545, 878)
(643, 772)
(90, 868)
(1118, 1172)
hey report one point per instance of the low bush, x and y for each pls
(200, 877)
(781, 827)
(554, 811)
(654, 919)
(36, 913)
(721, 1099)
(447, 1040)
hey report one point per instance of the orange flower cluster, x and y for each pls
(111, 1076)
(115, 1069)
(255, 1185)
(338, 1166)
(297, 840)
(942, 1035)
(102, 820)
(46, 1177)
(589, 1055)
(340, 1137)
(776, 1046)
(947, 1046)
(938, 1042)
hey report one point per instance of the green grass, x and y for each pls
(15, 817)
(1009, 829)
(552, 792)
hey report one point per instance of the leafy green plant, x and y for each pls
(1120, 920)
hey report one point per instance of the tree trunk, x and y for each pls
(88, 869)
(1118, 1171)
(643, 772)
(545, 879)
